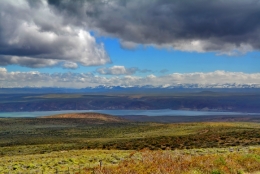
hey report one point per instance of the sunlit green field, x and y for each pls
(73, 160)
(71, 134)
(208, 160)
(46, 145)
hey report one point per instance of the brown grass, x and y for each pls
(166, 162)
(90, 116)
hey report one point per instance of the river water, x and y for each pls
(163, 112)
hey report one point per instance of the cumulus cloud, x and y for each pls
(81, 80)
(121, 70)
(70, 65)
(27, 61)
(34, 35)
(3, 70)
(227, 27)
(117, 70)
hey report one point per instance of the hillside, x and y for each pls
(205, 100)
(76, 143)
(90, 116)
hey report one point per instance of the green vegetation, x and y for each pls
(69, 144)
(71, 134)
(74, 160)
(214, 160)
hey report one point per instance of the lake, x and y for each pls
(163, 112)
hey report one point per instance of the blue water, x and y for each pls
(164, 112)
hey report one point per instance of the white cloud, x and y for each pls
(3, 70)
(117, 70)
(121, 70)
(37, 36)
(70, 65)
(81, 80)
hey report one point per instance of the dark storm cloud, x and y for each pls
(227, 27)
(27, 61)
(56, 32)
(34, 35)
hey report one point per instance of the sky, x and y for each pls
(161, 43)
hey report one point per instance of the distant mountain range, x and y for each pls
(130, 98)
(136, 89)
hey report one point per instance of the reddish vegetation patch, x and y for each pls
(90, 116)
(166, 162)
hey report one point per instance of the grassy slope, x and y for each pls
(49, 144)
(91, 117)
(199, 161)
(66, 134)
